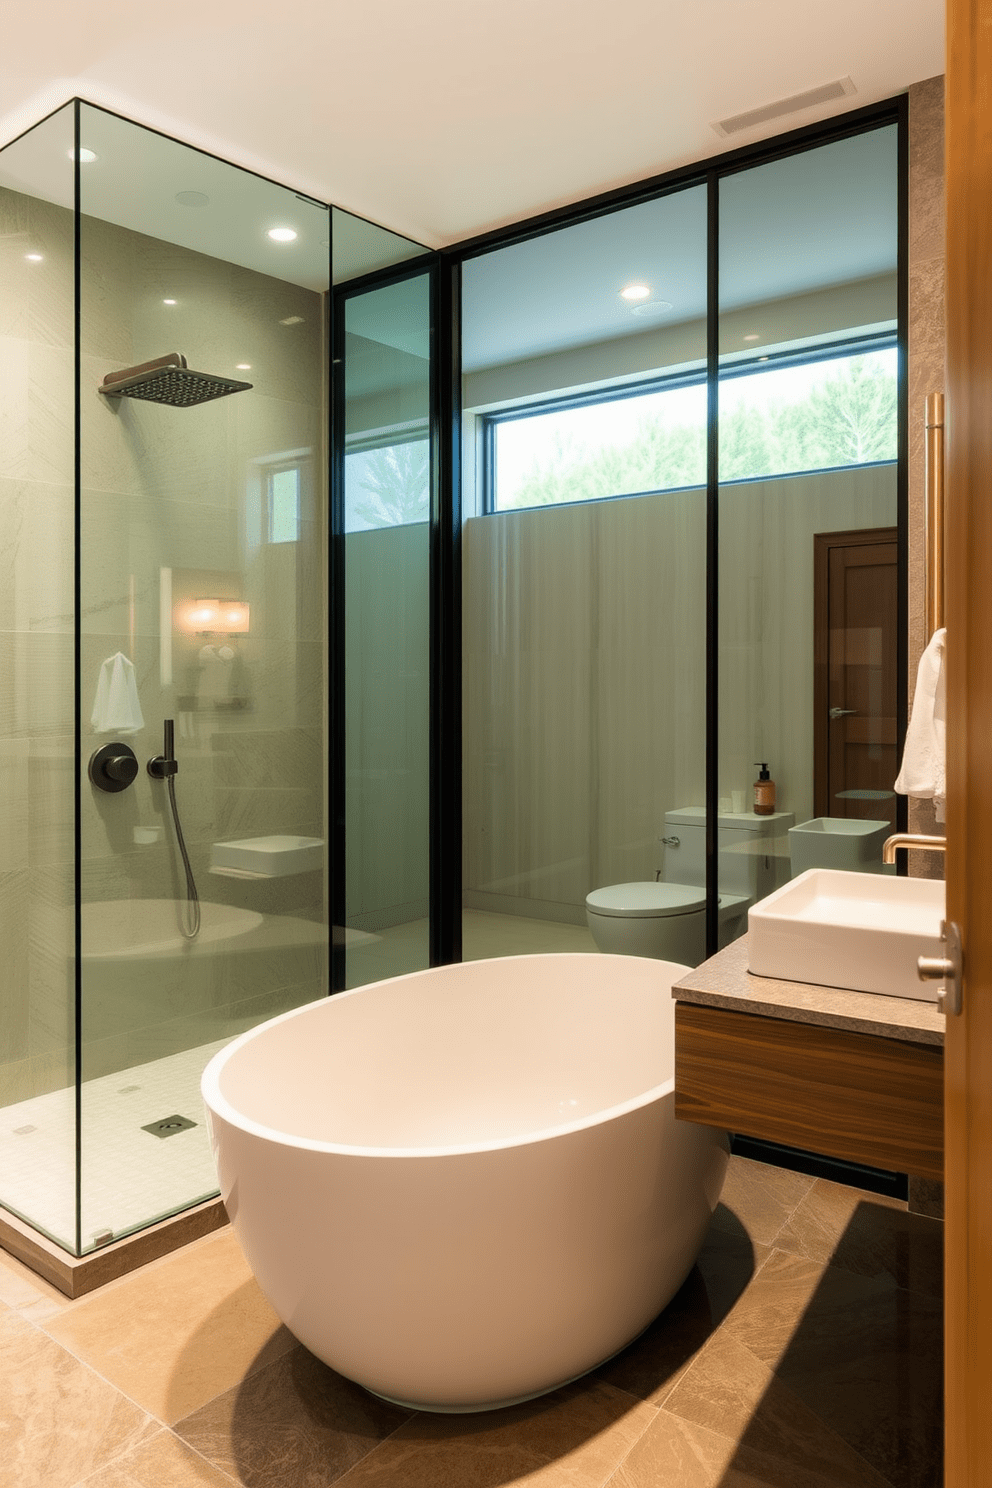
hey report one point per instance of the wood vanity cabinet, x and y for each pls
(848, 1094)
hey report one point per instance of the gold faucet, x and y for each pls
(911, 839)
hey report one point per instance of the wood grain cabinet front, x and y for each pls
(852, 1095)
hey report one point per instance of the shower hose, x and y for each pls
(164, 767)
(189, 913)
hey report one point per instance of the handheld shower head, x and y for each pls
(169, 380)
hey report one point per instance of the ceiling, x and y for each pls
(446, 118)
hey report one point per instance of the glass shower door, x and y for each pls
(202, 605)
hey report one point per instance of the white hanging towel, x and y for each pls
(924, 768)
(116, 709)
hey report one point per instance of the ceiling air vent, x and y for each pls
(826, 93)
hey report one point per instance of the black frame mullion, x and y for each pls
(712, 727)
(337, 739)
(446, 617)
(902, 457)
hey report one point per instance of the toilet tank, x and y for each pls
(748, 846)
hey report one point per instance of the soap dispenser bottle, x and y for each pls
(764, 791)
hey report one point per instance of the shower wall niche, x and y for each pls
(181, 553)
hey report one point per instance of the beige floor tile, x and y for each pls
(867, 1234)
(176, 1334)
(762, 1197)
(675, 1453)
(162, 1462)
(651, 1366)
(26, 1292)
(865, 1355)
(729, 1391)
(294, 1424)
(574, 1438)
(58, 1420)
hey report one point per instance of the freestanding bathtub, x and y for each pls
(466, 1186)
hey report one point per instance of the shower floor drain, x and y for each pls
(168, 1126)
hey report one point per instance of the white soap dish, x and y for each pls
(269, 857)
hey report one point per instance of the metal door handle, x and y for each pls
(841, 712)
(946, 969)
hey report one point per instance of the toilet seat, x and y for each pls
(641, 901)
(646, 900)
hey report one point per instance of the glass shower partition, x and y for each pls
(808, 513)
(37, 713)
(383, 353)
(584, 581)
(166, 601)
(202, 602)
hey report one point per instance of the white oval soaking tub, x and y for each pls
(466, 1186)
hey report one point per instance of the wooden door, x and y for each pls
(968, 1049)
(856, 619)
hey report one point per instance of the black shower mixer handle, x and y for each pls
(165, 764)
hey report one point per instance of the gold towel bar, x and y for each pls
(933, 560)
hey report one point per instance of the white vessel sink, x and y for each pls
(855, 930)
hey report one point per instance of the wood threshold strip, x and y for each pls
(74, 1276)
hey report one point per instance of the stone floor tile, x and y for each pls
(676, 1453)
(865, 1355)
(867, 1234)
(728, 1390)
(761, 1197)
(175, 1335)
(293, 1424)
(162, 1462)
(573, 1438)
(58, 1420)
(651, 1365)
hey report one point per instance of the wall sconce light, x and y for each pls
(217, 617)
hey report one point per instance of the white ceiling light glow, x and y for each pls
(282, 234)
(635, 292)
(86, 157)
(34, 257)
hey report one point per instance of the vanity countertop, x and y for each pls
(725, 982)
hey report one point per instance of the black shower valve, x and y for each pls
(113, 767)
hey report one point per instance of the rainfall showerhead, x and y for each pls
(167, 379)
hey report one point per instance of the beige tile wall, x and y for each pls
(926, 373)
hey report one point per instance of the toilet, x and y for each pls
(667, 919)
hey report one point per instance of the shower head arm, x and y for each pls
(171, 359)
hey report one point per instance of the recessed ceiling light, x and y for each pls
(85, 156)
(282, 234)
(292, 320)
(192, 198)
(34, 257)
(754, 337)
(651, 307)
(243, 367)
(762, 359)
(168, 302)
(635, 292)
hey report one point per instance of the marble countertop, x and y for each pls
(725, 982)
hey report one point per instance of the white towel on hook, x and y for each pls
(924, 759)
(116, 709)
